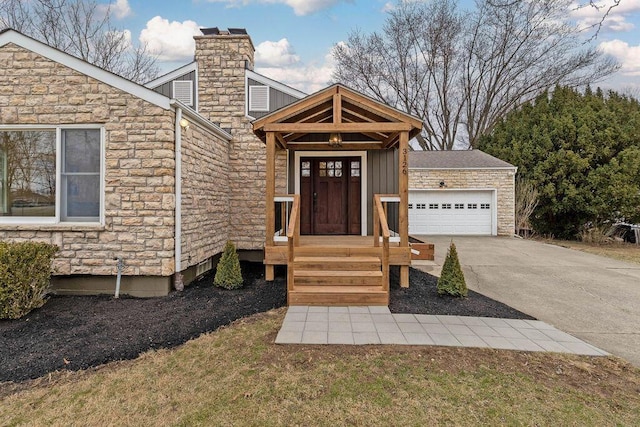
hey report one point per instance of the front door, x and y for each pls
(330, 195)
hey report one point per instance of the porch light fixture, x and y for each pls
(184, 124)
(335, 139)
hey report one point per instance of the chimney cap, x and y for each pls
(215, 31)
(210, 31)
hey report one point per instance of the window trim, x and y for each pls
(13, 220)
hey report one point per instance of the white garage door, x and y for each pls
(451, 212)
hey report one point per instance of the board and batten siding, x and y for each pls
(382, 178)
(277, 100)
(166, 89)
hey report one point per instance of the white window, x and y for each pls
(258, 98)
(183, 91)
(51, 175)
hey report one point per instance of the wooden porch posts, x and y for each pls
(269, 273)
(403, 190)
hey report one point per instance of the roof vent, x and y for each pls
(237, 31)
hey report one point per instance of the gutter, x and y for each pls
(178, 283)
(193, 116)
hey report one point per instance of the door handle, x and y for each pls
(315, 201)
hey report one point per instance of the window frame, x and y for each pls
(31, 220)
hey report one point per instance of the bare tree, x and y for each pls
(82, 28)
(461, 72)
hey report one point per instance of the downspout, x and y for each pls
(177, 281)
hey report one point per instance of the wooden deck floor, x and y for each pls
(336, 241)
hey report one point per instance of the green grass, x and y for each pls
(237, 376)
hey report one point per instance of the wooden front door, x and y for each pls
(330, 195)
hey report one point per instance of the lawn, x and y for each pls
(238, 376)
(617, 250)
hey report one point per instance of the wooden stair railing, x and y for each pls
(380, 225)
(293, 237)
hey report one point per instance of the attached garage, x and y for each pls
(452, 212)
(460, 193)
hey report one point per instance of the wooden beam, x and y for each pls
(379, 108)
(345, 146)
(337, 127)
(337, 108)
(281, 141)
(295, 108)
(390, 140)
(403, 190)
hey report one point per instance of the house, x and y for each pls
(158, 177)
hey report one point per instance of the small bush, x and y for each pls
(228, 273)
(25, 275)
(451, 281)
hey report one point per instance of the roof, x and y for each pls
(12, 36)
(172, 75)
(358, 121)
(9, 35)
(275, 84)
(455, 159)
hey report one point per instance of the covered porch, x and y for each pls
(344, 218)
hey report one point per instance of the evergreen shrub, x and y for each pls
(451, 281)
(228, 273)
(25, 276)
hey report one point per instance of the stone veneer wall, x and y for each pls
(222, 60)
(502, 180)
(205, 191)
(140, 166)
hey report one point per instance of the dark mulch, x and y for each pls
(422, 298)
(79, 332)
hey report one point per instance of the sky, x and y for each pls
(294, 38)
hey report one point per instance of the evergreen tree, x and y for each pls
(451, 281)
(582, 153)
(228, 273)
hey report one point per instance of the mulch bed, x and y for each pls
(79, 332)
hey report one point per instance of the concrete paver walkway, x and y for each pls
(588, 296)
(376, 325)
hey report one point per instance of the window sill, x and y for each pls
(70, 226)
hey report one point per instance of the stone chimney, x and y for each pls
(222, 57)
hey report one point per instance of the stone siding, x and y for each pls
(222, 60)
(139, 164)
(502, 180)
(205, 193)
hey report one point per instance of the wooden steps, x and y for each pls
(351, 277)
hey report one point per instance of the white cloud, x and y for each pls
(275, 54)
(388, 7)
(121, 9)
(171, 41)
(627, 55)
(589, 16)
(300, 7)
(308, 78)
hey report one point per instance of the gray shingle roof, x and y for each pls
(456, 159)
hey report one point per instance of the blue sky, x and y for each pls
(293, 38)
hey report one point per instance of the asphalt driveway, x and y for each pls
(591, 297)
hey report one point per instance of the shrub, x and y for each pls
(451, 281)
(228, 273)
(25, 275)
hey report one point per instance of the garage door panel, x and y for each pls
(451, 212)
